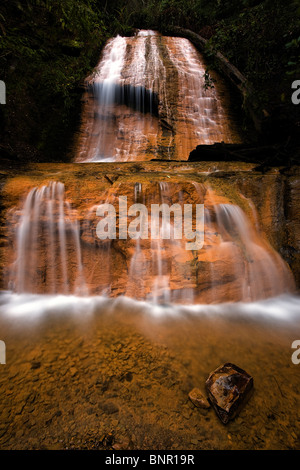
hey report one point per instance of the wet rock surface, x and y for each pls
(228, 388)
(198, 399)
(268, 202)
(157, 106)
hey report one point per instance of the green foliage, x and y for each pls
(208, 80)
(293, 49)
(260, 37)
(47, 47)
(255, 41)
(187, 13)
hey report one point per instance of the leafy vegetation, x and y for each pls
(261, 38)
(47, 48)
(256, 41)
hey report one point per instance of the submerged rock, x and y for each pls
(228, 387)
(198, 399)
(108, 407)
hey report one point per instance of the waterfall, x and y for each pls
(147, 99)
(152, 266)
(254, 270)
(137, 267)
(265, 272)
(59, 252)
(48, 245)
(201, 116)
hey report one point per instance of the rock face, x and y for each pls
(147, 99)
(266, 155)
(228, 388)
(238, 261)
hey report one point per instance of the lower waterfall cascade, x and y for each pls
(58, 252)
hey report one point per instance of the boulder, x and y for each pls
(228, 388)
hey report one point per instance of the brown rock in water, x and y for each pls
(198, 399)
(228, 387)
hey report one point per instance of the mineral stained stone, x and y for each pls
(228, 388)
(198, 399)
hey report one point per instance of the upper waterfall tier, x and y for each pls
(148, 98)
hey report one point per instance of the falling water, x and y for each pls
(136, 285)
(48, 245)
(264, 272)
(147, 99)
(236, 262)
(201, 118)
(153, 262)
